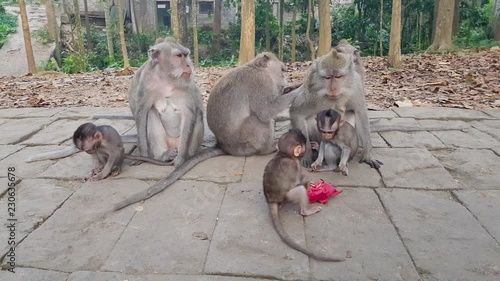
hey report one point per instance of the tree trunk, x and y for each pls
(109, 29)
(135, 28)
(217, 16)
(380, 29)
(51, 19)
(268, 30)
(143, 15)
(174, 16)
(195, 32)
(325, 27)
(444, 26)
(434, 21)
(308, 30)
(247, 41)
(496, 20)
(294, 35)
(456, 18)
(122, 34)
(183, 23)
(395, 45)
(27, 38)
(282, 30)
(87, 25)
(79, 39)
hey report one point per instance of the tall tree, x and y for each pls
(81, 58)
(148, 19)
(294, 35)
(195, 32)
(325, 27)
(444, 26)
(217, 16)
(247, 41)
(174, 18)
(456, 18)
(135, 27)
(395, 45)
(496, 20)
(380, 28)
(183, 22)
(27, 38)
(122, 34)
(51, 19)
(268, 28)
(282, 30)
(308, 29)
(109, 29)
(87, 24)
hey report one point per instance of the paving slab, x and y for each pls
(221, 169)
(413, 168)
(32, 274)
(172, 233)
(373, 114)
(29, 112)
(401, 122)
(6, 150)
(491, 127)
(496, 150)
(445, 241)
(493, 112)
(472, 168)
(483, 204)
(115, 276)
(76, 167)
(441, 113)
(377, 140)
(89, 112)
(472, 138)
(253, 170)
(440, 125)
(56, 133)
(17, 130)
(3, 121)
(355, 220)
(77, 236)
(145, 171)
(419, 139)
(245, 243)
(27, 170)
(36, 200)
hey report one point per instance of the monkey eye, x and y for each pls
(339, 76)
(328, 77)
(179, 55)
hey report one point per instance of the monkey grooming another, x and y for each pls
(106, 147)
(334, 81)
(338, 145)
(240, 113)
(166, 104)
(284, 182)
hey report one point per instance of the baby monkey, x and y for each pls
(106, 147)
(339, 142)
(284, 181)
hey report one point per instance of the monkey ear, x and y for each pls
(98, 136)
(341, 122)
(263, 61)
(155, 55)
(297, 150)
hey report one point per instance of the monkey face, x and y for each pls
(327, 135)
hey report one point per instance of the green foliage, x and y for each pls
(43, 35)
(475, 26)
(8, 25)
(49, 65)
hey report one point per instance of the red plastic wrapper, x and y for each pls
(320, 191)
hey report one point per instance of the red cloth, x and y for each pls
(320, 191)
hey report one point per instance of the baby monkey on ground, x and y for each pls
(284, 181)
(106, 147)
(339, 142)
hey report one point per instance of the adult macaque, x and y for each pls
(166, 104)
(338, 145)
(106, 147)
(284, 182)
(240, 113)
(333, 83)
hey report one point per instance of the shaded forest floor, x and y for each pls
(466, 79)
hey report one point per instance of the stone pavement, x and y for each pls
(430, 213)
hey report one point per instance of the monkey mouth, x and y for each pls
(186, 75)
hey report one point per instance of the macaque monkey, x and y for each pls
(106, 147)
(240, 113)
(284, 182)
(166, 104)
(339, 142)
(333, 82)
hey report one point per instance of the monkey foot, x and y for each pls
(372, 162)
(310, 211)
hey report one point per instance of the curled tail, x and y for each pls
(284, 236)
(175, 175)
(68, 151)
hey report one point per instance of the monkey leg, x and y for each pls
(253, 137)
(299, 196)
(197, 136)
(156, 137)
(346, 151)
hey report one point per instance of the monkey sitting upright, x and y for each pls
(106, 147)
(284, 181)
(339, 142)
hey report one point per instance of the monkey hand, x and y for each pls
(314, 145)
(342, 168)
(307, 160)
(370, 161)
(315, 166)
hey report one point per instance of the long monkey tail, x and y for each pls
(285, 238)
(175, 175)
(114, 117)
(68, 151)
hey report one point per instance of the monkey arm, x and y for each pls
(344, 157)
(272, 106)
(363, 132)
(187, 129)
(141, 123)
(321, 156)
